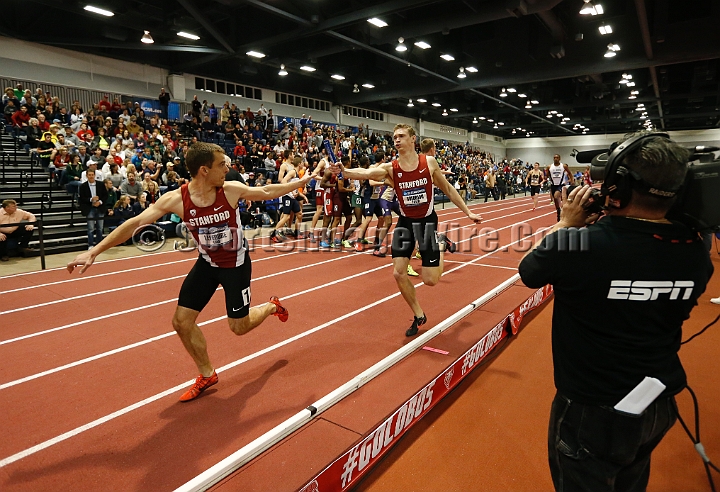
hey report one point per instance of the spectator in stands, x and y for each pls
(92, 166)
(115, 108)
(83, 155)
(19, 91)
(131, 187)
(196, 107)
(20, 120)
(71, 140)
(11, 214)
(33, 134)
(150, 188)
(172, 181)
(164, 99)
(141, 204)
(93, 195)
(123, 209)
(45, 149)
(113, 195)
(72, 175)
(133, 127)
(62, 159)
(101, 142)
(105, 105)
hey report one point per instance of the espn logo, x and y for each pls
(642, 290)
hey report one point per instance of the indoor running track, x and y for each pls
(92, 370)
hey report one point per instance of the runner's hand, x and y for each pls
(84, 259)
(337, 168)
(475, 218)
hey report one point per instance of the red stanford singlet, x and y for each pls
(216, 229)
(414, 189)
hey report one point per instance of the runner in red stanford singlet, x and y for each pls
(216, 229)
(414, 189)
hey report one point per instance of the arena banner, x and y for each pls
(346, 470)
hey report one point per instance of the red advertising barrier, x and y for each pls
(354, 463)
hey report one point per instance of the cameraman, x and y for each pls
(641, 277)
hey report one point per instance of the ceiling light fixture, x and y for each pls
(528, 106)
(308, 68)
(187, 35)
(97, 10)
(495, 126)
(255, 54)
(422, 45)
(447, 57)
(631, 84)
(471, 69)
(522, 95)
(591, 9)
(401, 45)
(454, 110)
(337, 77)
(462, 74)
(410, 103)
(437, 105)
(377, 22)
(534, 101)
(612, 49)
(503, 93)
(368, 86)
(482, 117)
(510, 89)
(632, 97)
(421, 100)
(146, 38)
(500, 123)
(356, 89)
(283, 72)
(605, 30)
(490, 120)
(444, 113)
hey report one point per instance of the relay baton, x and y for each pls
(331, 155)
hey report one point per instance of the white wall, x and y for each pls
(57, 66)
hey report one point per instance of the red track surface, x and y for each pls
(161, 443)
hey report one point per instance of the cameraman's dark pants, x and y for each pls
(489, 192)
(594, 448)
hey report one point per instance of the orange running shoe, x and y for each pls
(280, 312)
(201, 384)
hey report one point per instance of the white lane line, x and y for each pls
(165, 335)
(78, 278)
(483, 265)
(78, 430)
(111, 260)
(127, 347)
(92, 294)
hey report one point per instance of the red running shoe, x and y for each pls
(201, 384)
(281, 312)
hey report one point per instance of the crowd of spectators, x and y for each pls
(137, 157)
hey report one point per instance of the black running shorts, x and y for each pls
(409, 231)
(203, 280)
(534, 190)
(290, 205)
(554, 188)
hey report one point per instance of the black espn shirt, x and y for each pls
(619, 305)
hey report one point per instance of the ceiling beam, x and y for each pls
(187, 4)
(647, 44)
(126, 46)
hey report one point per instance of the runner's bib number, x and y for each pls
(414, 197)
(215, 237)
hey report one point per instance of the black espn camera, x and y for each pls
(698, 198)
